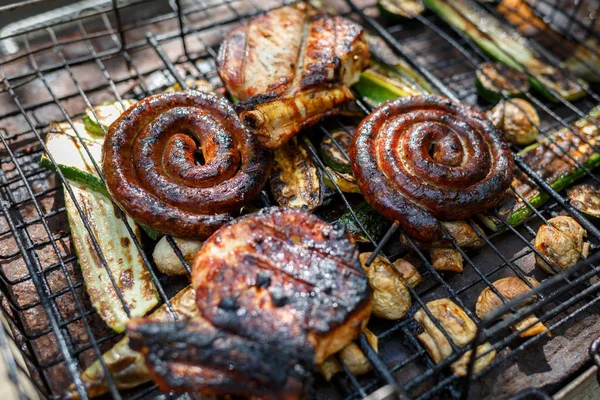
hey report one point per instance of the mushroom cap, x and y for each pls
(390, 298)
(510, 288)
(561, 242)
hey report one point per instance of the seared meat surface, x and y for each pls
(290, 68)
(151, 172)
(422, 160)
(279, 291)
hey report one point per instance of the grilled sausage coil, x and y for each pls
(422, 159)
(151, 172)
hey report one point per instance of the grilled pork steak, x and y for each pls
(279, 291)
(290, 68)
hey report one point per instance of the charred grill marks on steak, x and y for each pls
(290, 68)
(280, 289)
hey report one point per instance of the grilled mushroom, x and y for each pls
(408, 272)
(459, 327)
(390, 298)
(586, 198)
(517, 119)
(444, 257)
(461, 231)
(561, 242)
(510, 288)
(446, 260)
(168, 261)
(352, 356)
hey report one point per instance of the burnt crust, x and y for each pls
(278, 291)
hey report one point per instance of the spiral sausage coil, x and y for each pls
(150, 168)
(422, 159)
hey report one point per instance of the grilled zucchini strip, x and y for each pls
(507, 46)
(127, 366)
(381, 83)
(296, 182)
(121, 255)
(107, 113)
(122, 258)
(558, 174)
(74, 162)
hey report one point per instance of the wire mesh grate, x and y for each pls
(121, 51)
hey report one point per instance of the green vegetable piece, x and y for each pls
(507, 46)
(401, 8)
(122, 258)
(375, 224)
(107, 113)
(334, 151)
(493, 80)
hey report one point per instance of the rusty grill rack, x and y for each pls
(47, 79)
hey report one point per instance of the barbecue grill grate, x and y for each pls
(138, 48)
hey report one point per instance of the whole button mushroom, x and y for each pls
(561, 242)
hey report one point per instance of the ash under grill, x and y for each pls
(133, 49)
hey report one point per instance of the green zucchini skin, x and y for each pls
(107, 113)
(490, 71)
(515, 214)
(332, 156)
(346, 182)
(381, 83)
(70, 156)
(375, 224)
(507, 46)
(405, 9)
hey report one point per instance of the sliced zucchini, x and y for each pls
(558, 171)
(493, 80)
(334, 151)
(107, 113)
(346, 182)
(583, 59)
(296, 182)
(375, 224)
(585, 62)
(508, 47)
(586, 198)
(127, 267)
(383, 54)
(71, 157)
(401, 8)
(380, 83)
